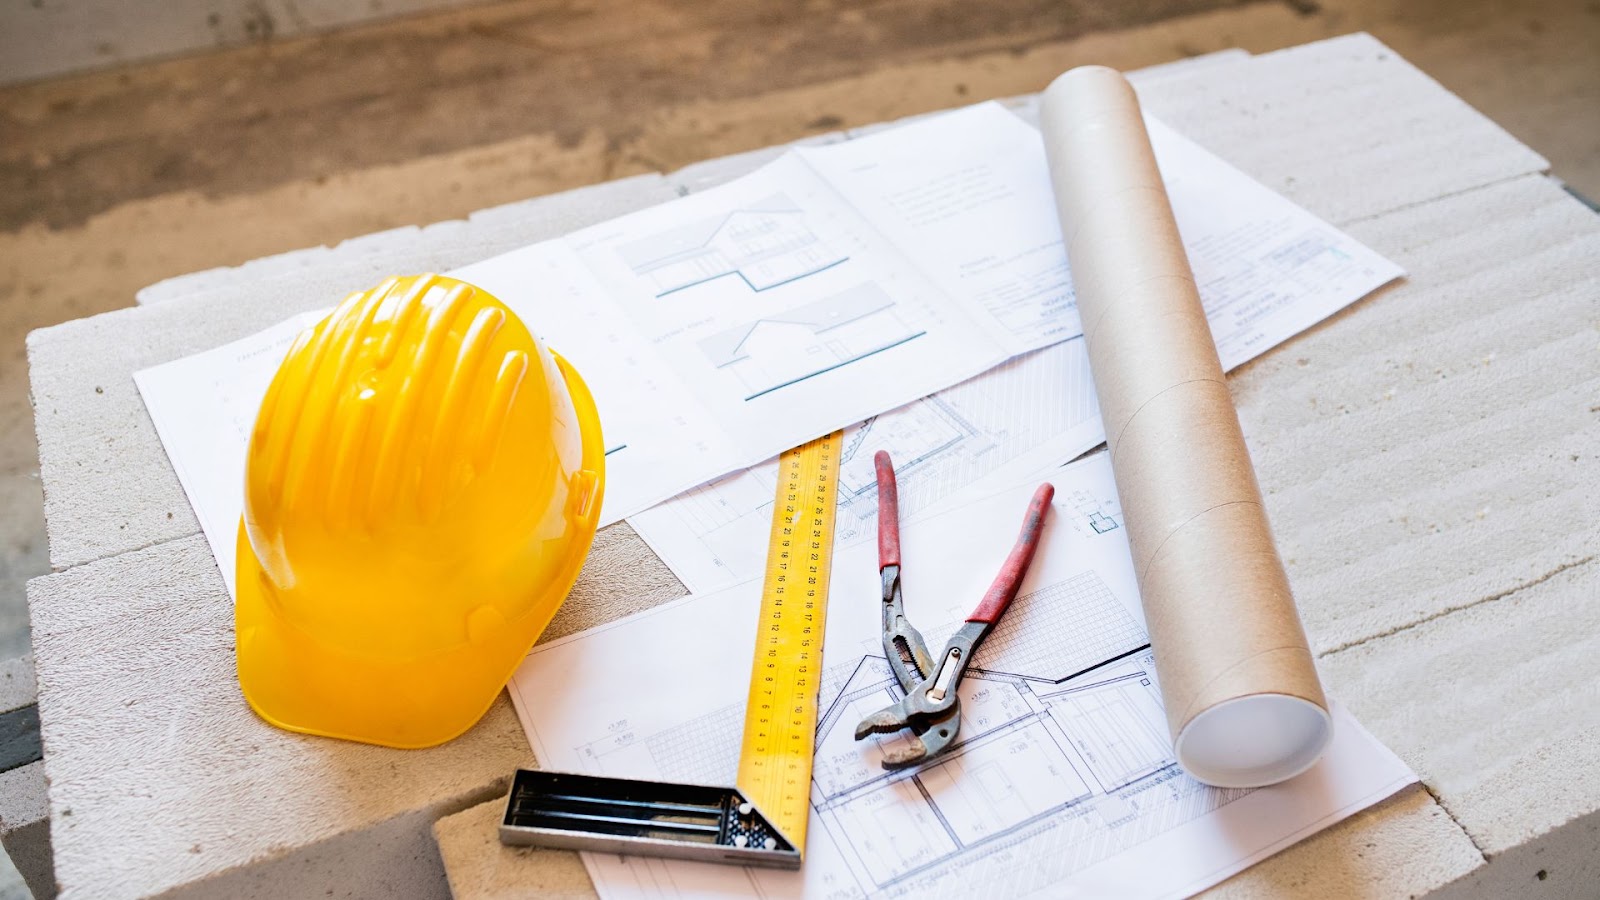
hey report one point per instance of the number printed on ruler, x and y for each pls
(781, 714)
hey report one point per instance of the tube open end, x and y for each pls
(1254, 741)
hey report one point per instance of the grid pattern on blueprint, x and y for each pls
(1061, 630)
(703, 750)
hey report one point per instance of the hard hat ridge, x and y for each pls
(423, 481)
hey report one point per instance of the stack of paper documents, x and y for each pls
(912, 286)
(1063, 782)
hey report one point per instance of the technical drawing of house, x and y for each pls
(766, 246)
(779, 350)
(1062, 759)
(1010, 768)
(1055, 713)
(1093, 515)
(919, 433)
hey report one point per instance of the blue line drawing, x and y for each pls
(1064, 759)
(780, 350)
(751, 285)
(766, 246)
(918, 435)
(1093, 515)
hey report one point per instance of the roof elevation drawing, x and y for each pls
(766, 246)
(810, 340)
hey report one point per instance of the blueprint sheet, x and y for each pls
(829, 286)
(1036, 409)
(1062, 782)
(1266, 270)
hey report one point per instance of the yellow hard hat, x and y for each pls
(423, 482)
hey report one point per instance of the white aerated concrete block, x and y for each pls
(1439, 443)
(162, 777)
(1560, 865)
(1344, 127)
(17, 688)
(25, 827)
(620, 577)
(1405, 846)
(1496, 706)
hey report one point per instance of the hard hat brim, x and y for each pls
(298, 684)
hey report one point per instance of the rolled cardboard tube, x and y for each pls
(1243, 700)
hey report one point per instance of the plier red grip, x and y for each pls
(930, 707)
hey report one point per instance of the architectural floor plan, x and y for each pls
(1062, 778)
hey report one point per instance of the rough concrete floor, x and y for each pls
(111, 181)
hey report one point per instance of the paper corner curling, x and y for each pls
(1244, 704)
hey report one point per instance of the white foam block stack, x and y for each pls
(1417, 453)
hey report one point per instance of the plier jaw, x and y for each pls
(927, 740)
(902, 643)
(930, 709)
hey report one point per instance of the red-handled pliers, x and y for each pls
(930, 707)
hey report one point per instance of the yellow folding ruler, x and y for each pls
(762, 820)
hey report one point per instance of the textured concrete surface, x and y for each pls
(1435, 446)
(159, 620)
(148, 726)
(1403, 847)
(1500, 709)
(1372, 133)
(17, 686)
(1559, 865)
(25, 834)
(143, 723)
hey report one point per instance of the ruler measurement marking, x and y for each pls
(780, 724)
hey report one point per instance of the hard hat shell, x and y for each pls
(423, 483)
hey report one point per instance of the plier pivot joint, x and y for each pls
(930, 708)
